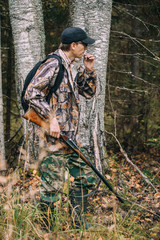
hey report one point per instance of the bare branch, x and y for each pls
(133, 16)
(128, 89)
(135, 40)
(136, 77)
(138, 19)
(129, 161)
(136, 55)
(120, 146)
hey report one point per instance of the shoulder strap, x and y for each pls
(59, 77)
(26, 83)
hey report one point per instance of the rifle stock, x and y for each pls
(32, 116)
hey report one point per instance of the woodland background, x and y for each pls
(132, 74)
(132, 108)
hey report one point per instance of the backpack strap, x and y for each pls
(27, 81)
(58, 78)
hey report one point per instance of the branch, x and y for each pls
(9, 140)
(137, 41)
(137, 18)
(133, 16)
(128, 89)
(136, 77)
(129, 161)
(96, 147)
(120, 146)
(136, 55)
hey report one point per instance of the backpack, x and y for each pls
(33, 72)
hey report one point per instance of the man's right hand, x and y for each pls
(54, 130)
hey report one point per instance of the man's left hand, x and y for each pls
(88, 61)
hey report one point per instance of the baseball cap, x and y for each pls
(75, 34)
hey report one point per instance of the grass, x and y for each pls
(21, 217)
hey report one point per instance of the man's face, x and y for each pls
(78, 49)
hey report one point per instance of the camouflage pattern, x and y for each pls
(53, 169)
(64, 104)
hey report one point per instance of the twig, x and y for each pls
(9, 140)
(136, 77)
(138, 19)
(128, 89)
(136, 55)
(133, 16)
(96, 148)
(155, 214)
(128, 160)
(120, 146)
(136, 41)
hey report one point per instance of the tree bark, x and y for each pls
(95, 18)
(9, 87)
(28, 34)
(2, 146)
(29, 40)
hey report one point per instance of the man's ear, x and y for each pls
(73, 45)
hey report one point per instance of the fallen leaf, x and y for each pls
(34, 172)
(100, 238)
(148, 219)
(46, 236)
(96, 199)
(71, 179)
(108, 176)
(157, 195)
(110, 228)
(157, 205)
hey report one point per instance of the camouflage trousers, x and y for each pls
(58, 169)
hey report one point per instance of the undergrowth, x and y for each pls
(21, 216)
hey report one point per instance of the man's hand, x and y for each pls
(88, 61)
(54, 130)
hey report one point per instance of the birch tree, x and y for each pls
(29, 38)
(2, 146)
(95, 18)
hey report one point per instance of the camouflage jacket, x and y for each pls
(64, 102)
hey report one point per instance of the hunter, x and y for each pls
(63, 112)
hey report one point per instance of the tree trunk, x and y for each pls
(9, 87)
(29, 39)
(28, 33)
(95, 18)
(2, 146)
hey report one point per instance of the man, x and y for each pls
(63, 116)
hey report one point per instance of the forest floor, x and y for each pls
(138, 218)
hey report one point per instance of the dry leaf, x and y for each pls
(110, 228)
(96, 199)
(148, 219)
(34, 172)
(108, 176)
(46, 236)
(157, 195)
(71, 179)
(100, 238)
(157, 205)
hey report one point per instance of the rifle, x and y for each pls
(35, 118)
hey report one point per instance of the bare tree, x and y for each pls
(29, 38)
(2, 146)
(95, 18)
